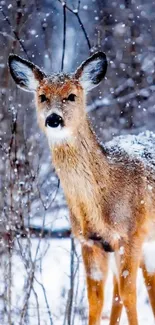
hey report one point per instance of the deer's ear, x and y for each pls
(92, 71)
(26, 74)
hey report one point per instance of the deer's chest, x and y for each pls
(83, 199)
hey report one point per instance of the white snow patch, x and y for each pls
(150, 187)
(121, 250)
(125, 273)
(56, 280)
(112, 264)
(149, 256)
(139, 146)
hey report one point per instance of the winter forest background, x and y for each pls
(41, 275)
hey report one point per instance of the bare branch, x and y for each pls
(47, 304)
(64, 36)
(78, 6)
(37, 304)
(76, 13)
(14, 32)
(83, 29)
(71, 291)
(23, 312)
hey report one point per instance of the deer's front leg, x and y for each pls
(127, 273)
(96, 266)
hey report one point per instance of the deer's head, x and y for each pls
(60, 98)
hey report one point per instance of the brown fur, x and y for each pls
(107, 195)
(95, 188)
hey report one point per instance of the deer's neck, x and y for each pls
(81, 160)
(84, 175)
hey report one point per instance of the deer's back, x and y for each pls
(139, 147)
(132, 158)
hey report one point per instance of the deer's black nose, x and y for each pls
(54, 120)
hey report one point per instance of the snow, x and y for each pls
(148, 254)
(125, 273)
(121, 250)
(54, 273)
(139, 146)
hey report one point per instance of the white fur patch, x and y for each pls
(116, 236)
(89, 71)
(25, 74)
(85, 242)
(148, 252)
(95, 273)
(58, 135)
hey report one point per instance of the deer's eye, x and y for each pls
(43, 98)
(71, 97)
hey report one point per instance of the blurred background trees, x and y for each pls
(57, 35)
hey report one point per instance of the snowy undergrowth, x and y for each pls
(53, 272)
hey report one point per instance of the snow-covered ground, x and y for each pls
(54, 273)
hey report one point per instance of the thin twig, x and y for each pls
(76, 13)
(109, 101)
(71, 291)
(45, 297)
(37, 303)
(69, 304)
(83, 29)
(24, 309)
(64, 36)
(4, 34)
(78, 6)
(14, 32)
(9, 287)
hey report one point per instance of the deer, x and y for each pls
(109, 188)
